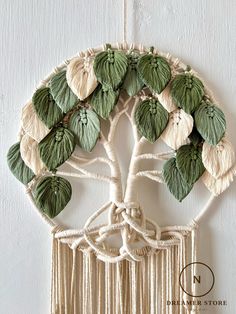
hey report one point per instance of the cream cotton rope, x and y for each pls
(90, 274)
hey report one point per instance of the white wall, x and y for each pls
(38, 35)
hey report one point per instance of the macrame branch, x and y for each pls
(115, 120)
(157, 156)
(115, 179)
(153, 175)
(78, 162)
(137, 156)
(87, 175)
(116, 186)
(86, 161)
(126, 218)
(132, 120)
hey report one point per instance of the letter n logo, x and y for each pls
(198, 279)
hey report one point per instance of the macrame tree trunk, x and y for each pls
(89, 275)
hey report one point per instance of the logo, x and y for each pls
(197, 279)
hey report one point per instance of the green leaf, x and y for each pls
(174, 180)
(46, 108)
(132, 83)
(85, 125)
(210, 122)
(52, 195)
(154, 71)
(61, 92)
(187, 92)
(56, 147)
(189, 163)
(103, 100)
(17, 166)
(151, 119)
(110, 67)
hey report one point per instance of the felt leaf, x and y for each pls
(52, 195)
(218, 159)
(189, 162)
(30, 154)
(56, 147)
(166, 100)
(103, 100)
(17, 166)
(174, 180)
(61, 92)
(85, 125)
(151, 119)
(154, 71)
(81, 77)
(178, 129)
(187, 92)
(46, 108)
(218, 185)
(132, 83)
(110, 67)
(31, 123)
(210, 122)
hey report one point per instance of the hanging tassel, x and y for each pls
(83, 284)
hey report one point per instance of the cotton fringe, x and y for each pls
(83, 284)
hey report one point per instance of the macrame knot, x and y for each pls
(136, 227)
(193, 225)
(57, 228)
(128, 207)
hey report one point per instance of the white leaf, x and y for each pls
(178, 129)
(218, 159)
(217, 186)
(80, 77)
(31, 123)
(30, 154)
(166, 100)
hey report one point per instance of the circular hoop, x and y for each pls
(124, 215)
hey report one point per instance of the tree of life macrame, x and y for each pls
(162, 98)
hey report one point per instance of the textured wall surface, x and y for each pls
(35, 36)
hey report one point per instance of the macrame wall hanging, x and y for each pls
(164, 100)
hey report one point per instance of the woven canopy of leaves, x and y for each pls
(72, 106)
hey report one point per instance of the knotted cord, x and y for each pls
(139, 274)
